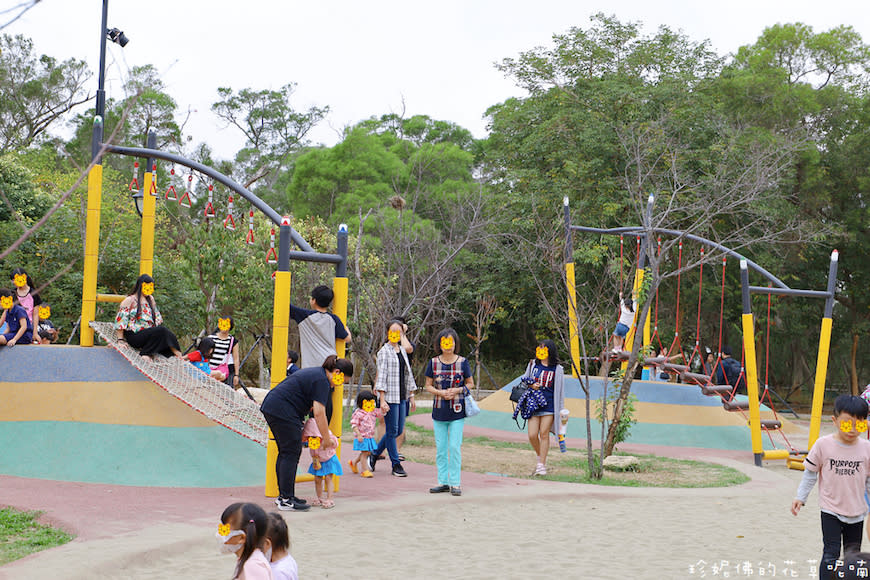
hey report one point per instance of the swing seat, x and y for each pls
(771, 424)
(676, 368)
(736, 405)
(713, 390)
(621, 355)
(696, 378)
(655, 360)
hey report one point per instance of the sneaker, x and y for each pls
(372, 461)
(456, 490)
(278, 500)
(292, 504)
(439, 489)
(399, 471)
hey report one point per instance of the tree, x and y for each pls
(272, 128)
(35, 91)
(612, 117)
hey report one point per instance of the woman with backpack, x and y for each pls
(543, 400)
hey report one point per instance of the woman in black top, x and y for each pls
(285, 408)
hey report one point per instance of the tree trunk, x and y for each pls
(853, 367)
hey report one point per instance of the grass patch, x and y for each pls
(21, 534)
(486, 455)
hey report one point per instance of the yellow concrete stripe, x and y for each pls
(659, 413)
(119, 403)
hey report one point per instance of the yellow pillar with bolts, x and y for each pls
(573, 324)
(149, 207)
(92, 250)
(278, 370)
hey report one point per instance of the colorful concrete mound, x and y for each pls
(84, 414)
(671, 414)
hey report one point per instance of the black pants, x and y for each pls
(287, 432)
(833, 530)
(154, 340)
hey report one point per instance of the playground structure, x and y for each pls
(286, 236)
(706, 382)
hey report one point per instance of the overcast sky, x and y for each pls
(366, 59)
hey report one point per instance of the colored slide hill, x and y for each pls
(80, 414)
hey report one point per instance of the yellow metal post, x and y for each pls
(629, 338)
(149, 206)
(819, 385)
(751, 371)
(824, 350)
(571, 284)
(278, 370)
(750, 366)
(573, 325)
(92, 250)
(339, 308)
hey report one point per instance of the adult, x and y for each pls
(448, 375)
(140, 324)
(226, 351)
(27, 298)
(285, 408)
(394, 385)
(728, 371)
(318, 328)
(381, 429)
(548, 378)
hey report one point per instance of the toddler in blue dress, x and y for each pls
(324, 463)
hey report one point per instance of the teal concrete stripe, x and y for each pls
(130, 455)
(728, 437)
(54, 364)
(645, 391)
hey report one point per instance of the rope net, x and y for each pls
(182, 380)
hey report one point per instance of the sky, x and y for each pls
(365, 59)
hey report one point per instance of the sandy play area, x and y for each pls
(389, 527)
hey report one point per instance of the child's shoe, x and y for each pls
(366, 473)
(352, 466)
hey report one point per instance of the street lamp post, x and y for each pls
(95, 188)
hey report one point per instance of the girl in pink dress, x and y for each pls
(363, 423)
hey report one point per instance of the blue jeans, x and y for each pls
(448, 451)
(394, 420)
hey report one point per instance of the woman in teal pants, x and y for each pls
(447, 377)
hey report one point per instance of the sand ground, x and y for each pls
(389, 527)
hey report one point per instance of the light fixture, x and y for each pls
(118, 37)
(139, 200)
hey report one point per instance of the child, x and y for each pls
(284, 567)
(324, 463)
(318, 328)
(46, 331)
(292, 359)
(199, 359)
(26, 297)
(840, 463)
(20, 330)
(626, 319)
(363, 423)
(243, 532)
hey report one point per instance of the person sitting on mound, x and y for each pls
(200, 357)
(140, 324)
(19, 329)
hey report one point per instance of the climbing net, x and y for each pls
(182, 380)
